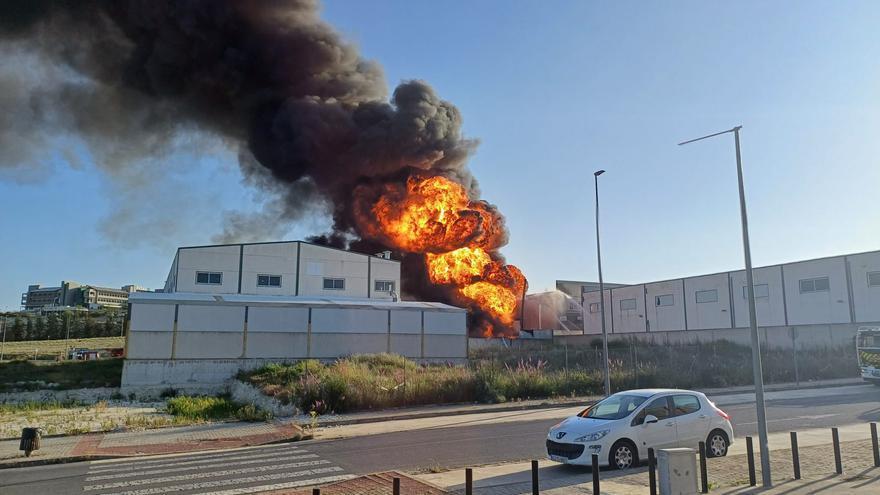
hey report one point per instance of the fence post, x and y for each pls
(874, 445)
(704, 475)
(795, 456)
(534, 477)
(595, 469)
(469, 481)
(652, 472)
(835, 438)
(396, 486)
(750, 451)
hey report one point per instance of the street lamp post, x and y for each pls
(596, 175)
(753, 322)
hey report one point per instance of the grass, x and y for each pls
(365, 382)
(32, 406)
(200, 409)
(16, 376)
(26, 348)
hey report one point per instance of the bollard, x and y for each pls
(396, 486)
(795, 456)
(704, 474)
(652, 472)
(750, 451)
(316, 491)
(835, 438)
(469, 481)
(534, 477)
(874, 445)
(595, 469)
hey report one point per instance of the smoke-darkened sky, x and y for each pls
(551, 93)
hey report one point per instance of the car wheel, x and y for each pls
(623, 455)
(716, 444)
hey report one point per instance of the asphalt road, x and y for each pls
(468, 443)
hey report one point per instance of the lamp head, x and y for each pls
(597, 173)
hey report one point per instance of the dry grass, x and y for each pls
(27, 348)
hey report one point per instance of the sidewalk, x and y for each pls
(726, 475)
(162, 441)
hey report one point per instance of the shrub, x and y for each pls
(213, 409)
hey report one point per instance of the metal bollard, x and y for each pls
(396, 486)
(750, 451)
(534, 477)
(835, 438)
(704, 474)
(874, 445)
(652, 472)
(316, 491)
(795, 456)
(469, 481)
(595, 469)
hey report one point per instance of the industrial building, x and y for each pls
(232, 307)
(823, 299)
(286, 268)
(74, 294)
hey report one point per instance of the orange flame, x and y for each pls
(459, 238)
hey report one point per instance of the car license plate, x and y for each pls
(558, 458)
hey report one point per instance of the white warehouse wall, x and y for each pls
(269, 259)
(211, 258)
(706, 315)
(633, 320)
(866, 299)
(318, 263)
(662, 318)
(382, 269)
(831, 306)
(770, 310)
(593, 319)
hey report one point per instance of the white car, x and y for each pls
(621, 428)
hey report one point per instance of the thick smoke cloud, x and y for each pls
(310, 117)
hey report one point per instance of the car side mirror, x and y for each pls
(650, 419)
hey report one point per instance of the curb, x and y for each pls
(585, 401)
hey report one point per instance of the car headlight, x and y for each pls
(592, 437)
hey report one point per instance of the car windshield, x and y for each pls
(617, 406)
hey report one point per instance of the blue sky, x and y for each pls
(554, 91)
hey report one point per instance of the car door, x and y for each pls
(659, 435)
(692, 422)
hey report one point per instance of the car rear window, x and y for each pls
(685, 404)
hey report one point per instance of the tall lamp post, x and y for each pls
(596, 175)
(753, 322)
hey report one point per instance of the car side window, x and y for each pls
(685, 404)
(657, 407)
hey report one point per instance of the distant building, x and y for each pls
(285, 268)
(73, 294)
(572, 312)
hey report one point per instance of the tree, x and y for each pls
(18, 330)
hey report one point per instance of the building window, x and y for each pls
(707, 296)
(664, 300)
(819, 284)
(627, 304)
(383, 286)
(210, 278)
(761, 290)
(334, 284)
(268, 280)
(594, 307)
(873, 279)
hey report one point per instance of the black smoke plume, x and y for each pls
(308, 115)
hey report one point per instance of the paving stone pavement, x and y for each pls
(374, 484)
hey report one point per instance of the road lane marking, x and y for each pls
(209, 474)
(283, 486)
(131, 465)
(235, 481)
(130, 474)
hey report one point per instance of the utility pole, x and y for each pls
(5, 326)
(753, 321)
(596, 175)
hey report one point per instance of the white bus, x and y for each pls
(868, 351)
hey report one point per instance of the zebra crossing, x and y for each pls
(239, 472)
